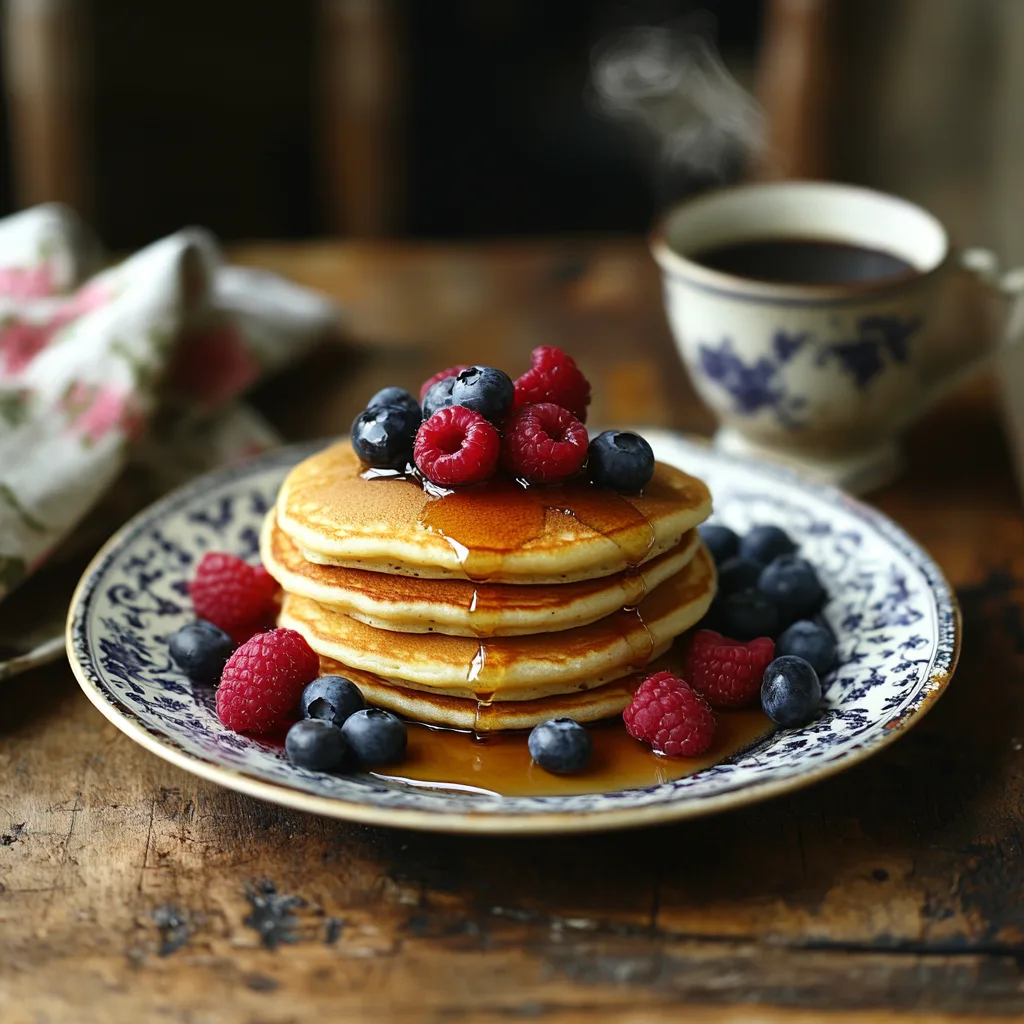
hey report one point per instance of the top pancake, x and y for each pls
(499, 532)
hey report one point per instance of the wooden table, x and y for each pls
(131, 891)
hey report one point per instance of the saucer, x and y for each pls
(894, 615)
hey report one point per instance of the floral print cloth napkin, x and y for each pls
(140, 363)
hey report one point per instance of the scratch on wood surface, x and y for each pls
(655, 904)
(65, 845)
(149, 840)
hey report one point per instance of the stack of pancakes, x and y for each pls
(449, 611)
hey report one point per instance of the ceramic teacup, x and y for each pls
(825, 375)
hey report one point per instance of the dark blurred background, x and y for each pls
(471, 116)
(482, 118)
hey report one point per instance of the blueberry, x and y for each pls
(318, 746)
(747, 615)
(439, 396)
(738, 574)
(791, 582)
(376, 736)
(722, 542)
(810, 641)
(561, 746)
(485, 390)
(395, 396)
(333, 699)
(790, 691)
(620, 461)
(765, 543)
(200, 650)
(383, 436)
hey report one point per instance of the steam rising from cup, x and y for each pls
(670, 85)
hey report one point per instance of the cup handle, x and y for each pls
(983, 264)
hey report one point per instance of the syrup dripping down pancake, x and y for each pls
(459, 607)
(516, 668)
(590, 704)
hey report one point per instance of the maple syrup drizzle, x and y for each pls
(500, 763)
(485, 524)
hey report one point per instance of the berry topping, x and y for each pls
(765, 543)
(318, 746)
(727, 673)
(231, 593)
(747, 614)
(722, 542)
(332, 699)
(738, 574)
(485, 390)
(200, 650)
(452, 371)
(554, 377)
(791, 582)
(561, 746)
(457, 446)
(376, 737)
(438, 397)
(667, 714)
(620, 461)
(810, 641)
(395, 396)
(790, 692)
(263, 680)
(383, 435)
(544, 444)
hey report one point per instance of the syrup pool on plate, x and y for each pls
(501, 763)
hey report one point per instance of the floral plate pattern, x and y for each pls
(894, 615)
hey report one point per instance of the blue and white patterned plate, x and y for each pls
(895, 617)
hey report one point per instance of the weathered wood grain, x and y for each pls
(131, 891)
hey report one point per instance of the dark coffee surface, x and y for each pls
(803, 261)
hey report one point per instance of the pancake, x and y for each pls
(513, 668)
(587, 705)
(458, 607)
(498, 533)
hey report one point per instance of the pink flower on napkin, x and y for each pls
(21, 342)
(215, 365)
(26, 282)
(96, 411)
(85, 300)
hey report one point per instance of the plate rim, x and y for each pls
(490, 821)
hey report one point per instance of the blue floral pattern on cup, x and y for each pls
(761, 384)
(892, 612)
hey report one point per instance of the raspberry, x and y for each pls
(671, 717)
(554, 377)
(263, 680)
(727, 673)
(457, 446)
(544, 443)
(231, 593)
(452, 371)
